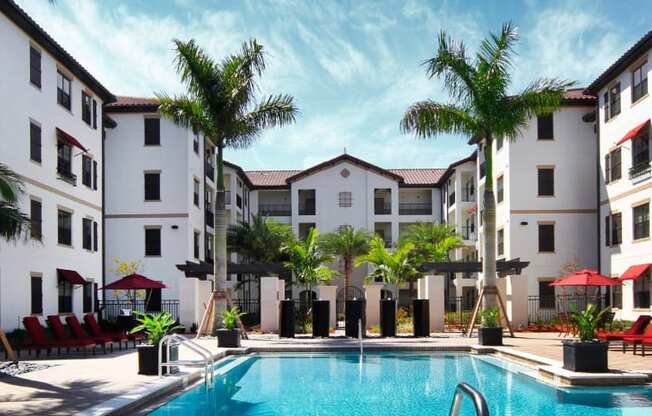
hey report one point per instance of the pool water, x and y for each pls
(392, 384)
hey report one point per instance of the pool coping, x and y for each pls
(547, 370)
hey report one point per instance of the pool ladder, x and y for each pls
(480, 404)
(206, 360)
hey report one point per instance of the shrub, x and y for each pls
(230, 317)
(490, 318)
(155, 326)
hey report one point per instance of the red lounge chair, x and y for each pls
(60, 334)
(40, 340)
(637, 339)
(637, 328)
(644, 342)
(79, 333)
(96, 330)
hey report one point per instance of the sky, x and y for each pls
(353, 67)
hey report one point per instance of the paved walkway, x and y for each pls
(74, 384)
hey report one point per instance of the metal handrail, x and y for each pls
(480, 404)
(207, 356)
(360, 336)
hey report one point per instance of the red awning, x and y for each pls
(585, 277)
(62, 135)
(71, 276)
(633, 132)
(634, 272)
(134, 282)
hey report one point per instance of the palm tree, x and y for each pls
(261, 239)
(392, 267)
(13, 222)
(347, 244)
(482, 110)
(432, 243)
(221, 103)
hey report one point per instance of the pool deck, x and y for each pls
(95, 384)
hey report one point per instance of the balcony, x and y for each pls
(468, 194)
(382, 207)
(415, 209)
(67, 176)
(210, 218)
(274, 210)
(467, 232)
(640, 171)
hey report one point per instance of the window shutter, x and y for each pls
(607, 231)
(153, 242)
(616, 165)
(35, 66)
(94, 114)
(152, 131)
(37, 294)
(546, 181)
(546, 238)
(95, 236)
(152, 187)
(35, 142)
(95, 175)
(545, 130)
(36, 216)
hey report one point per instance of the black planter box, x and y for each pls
(421, 317)
(388, 318)
(228, 338)
(490, 336)
(355, 311)
(586, 357)
(148, 359)
(286, 324)
(320, 318)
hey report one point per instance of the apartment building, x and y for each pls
(51, 124)
(623, 116)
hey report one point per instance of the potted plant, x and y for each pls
(155, 326)
(586, 354)
(490, 332)
(229, 336)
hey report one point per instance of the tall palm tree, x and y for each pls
(221, 103)
(13, 222)
(261, 239)
(483, 110)
(346, 243)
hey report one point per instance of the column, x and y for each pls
(372, 296)
(329, 293)
(516, 289)
(269, 297)
(432, 288)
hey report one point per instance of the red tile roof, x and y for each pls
(132, 104)
(419, 176)
(270, 178)
(578, 95)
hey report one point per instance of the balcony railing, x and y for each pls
(451, 199)
(210, 217)
(384, 208)
(67, 176)
(274, 210)
(468, 195)
(640, 170)
(467, 232)
(414, 209)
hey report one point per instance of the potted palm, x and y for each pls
(490, 332)
(229, 336)
(587, 353)
(155, 326)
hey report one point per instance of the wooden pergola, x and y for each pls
(503, 267)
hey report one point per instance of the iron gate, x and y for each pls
(344, 294)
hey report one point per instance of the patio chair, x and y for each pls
(637, 328)
(40, 341)
(644, 342)
(79, 333)
(60, 333)
(637, 339)
(96, 330)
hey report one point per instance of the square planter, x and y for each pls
(228, 338)
(148, 359)
(586, 357)
(490, 336)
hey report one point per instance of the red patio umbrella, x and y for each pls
(134, 281)
(586, 278)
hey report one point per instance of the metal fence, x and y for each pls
(458, 311)
(250, 307)
(547, 309)
(110, 309)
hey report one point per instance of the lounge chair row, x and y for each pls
(78, 337)
(640, 333)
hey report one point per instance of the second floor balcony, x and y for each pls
(414, 208)
(275, 210)
(640, 171)
(467, 232)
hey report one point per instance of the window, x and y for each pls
(195, 195)
(607, 230)
(546, 294)
(86, 108)
(499, 189)
(615, 171)
(35, 66)
(152, 186)
(614, 100)
(545, 129)
(35, 142)
(209, 248)
(152, 132)
(36, 219)
(639, 82)
(642, 291)
(87, 234)
(64, 228)
(500, 242)
(617, 296)
(95, 175)
(616, 229)
(36, 289)
(605, 101)
(64, 159)
(197, 236)
(152, 241)
(640, 152)
(87, 166)
(546, 238)
(546, 181)
(88, 297)
(499, 143)
(345, 200)
(95, 236)
(94, 114)
(63, 90)
(641, 219)
(65, 296)
(607, 167)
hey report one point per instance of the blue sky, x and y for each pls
(352, 66)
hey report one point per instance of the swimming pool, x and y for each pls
(391, 384)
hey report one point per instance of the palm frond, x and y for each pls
(186, 112)
(13, 223)
(239, 73)
(495, 59)
(428, 118)
(11, 185)
(542, 96)
(198, 71)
